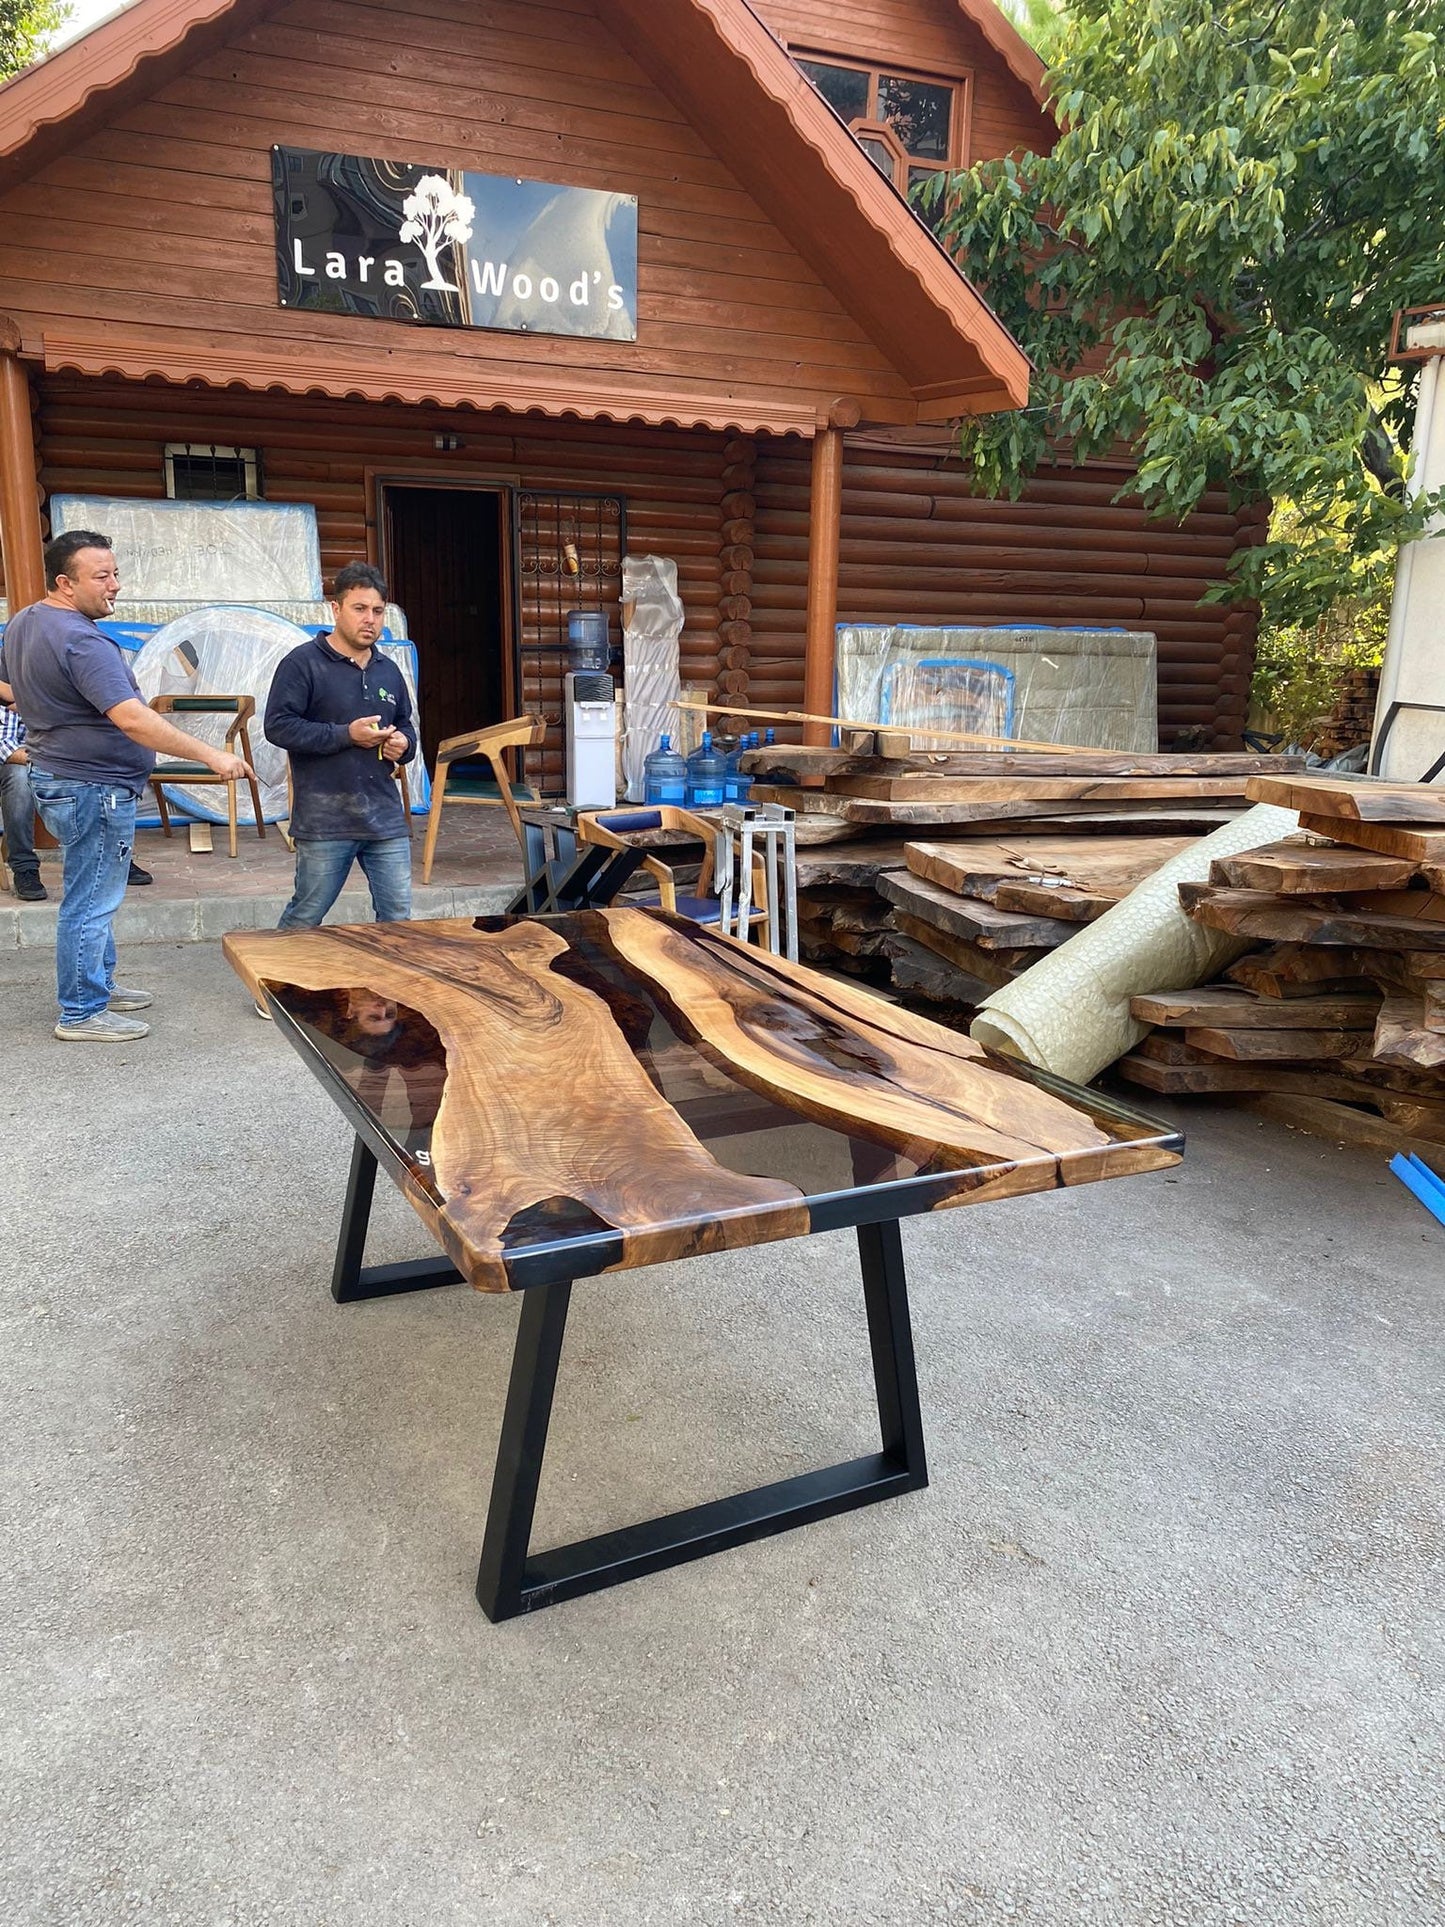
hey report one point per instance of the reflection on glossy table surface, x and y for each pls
(569, 1095)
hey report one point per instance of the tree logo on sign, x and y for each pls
(433, 214)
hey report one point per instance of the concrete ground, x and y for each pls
(197, 896)
(1162, 1643)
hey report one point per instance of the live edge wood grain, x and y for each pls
(600, 1067)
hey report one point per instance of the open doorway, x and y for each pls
(446, 564)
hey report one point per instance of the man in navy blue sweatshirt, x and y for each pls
(341, 711)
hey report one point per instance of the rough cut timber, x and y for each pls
(1401, 1036)
(980, 923)
(1162, 816)
(1103, 866)
(784, 760)
(1362, 802)
(1247, 1046)
(1321, 1117)
(1050, 899)
(1097, 791)
(1425, 846)
(1253, 913)
(992, 967)
(1415, 1109)
(1290, 970)
(1237, 1010)
(1294, 868)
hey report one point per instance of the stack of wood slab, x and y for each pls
(948, 873)
(983, 911)
(1337, 1021)
(840, 793)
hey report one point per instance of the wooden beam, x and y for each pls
(825, 523)
(20, 534)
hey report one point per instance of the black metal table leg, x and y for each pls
(510, 1581)
(350, 1279)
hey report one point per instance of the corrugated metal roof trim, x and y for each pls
(170, 357)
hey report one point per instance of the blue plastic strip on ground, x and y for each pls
(1418, 1178)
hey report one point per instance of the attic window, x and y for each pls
(909, 127)
(211, 472)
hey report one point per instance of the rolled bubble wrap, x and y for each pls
(1069, 1014)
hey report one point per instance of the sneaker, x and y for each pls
(29, 888)
(261, 1011)
(138, 875)
(104, 1028)
(123, 999)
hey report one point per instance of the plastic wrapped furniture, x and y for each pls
(947, 693)
(652, 619)
(235, 651)
(1096, 687)
(202, 552)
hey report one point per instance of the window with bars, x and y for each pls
(211, 472)
(911, 128)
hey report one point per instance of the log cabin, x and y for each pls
(725, 338)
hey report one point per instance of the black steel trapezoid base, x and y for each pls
(512, 1581)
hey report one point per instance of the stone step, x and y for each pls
(147, 918)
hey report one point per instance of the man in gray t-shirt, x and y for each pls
(92, 743)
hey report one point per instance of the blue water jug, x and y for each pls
(705, 776)
(731, 772)
(664, 776)
(739, 782)
(587, 639)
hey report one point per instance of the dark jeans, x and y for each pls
(94, 824)
(17, 806)
(323, 865)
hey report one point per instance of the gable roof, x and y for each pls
(736, 84)
(1010, 46)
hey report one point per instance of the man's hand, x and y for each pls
(18, 756)
(396, 745)
(366, 732)
(233, 768)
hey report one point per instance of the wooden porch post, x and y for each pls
(825, 516)
(20, 536)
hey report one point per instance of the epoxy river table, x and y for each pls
(565, 1097)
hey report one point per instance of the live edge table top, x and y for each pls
(563, 1096)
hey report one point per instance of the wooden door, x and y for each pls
(446, 567)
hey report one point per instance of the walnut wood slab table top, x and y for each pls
(564, 1097)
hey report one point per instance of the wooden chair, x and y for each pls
(241, 709)
(612, 828)
(521, 733)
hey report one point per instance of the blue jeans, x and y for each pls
(94, 824)
(17, 808)
(323, 865)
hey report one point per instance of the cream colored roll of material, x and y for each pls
(1070, 1013)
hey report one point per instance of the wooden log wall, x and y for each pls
(735, 633)
(918, 547)
(678, 485)
(733, 512)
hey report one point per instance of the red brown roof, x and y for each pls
(734, 82)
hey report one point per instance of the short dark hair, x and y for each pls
(358, 575)
(60, 552)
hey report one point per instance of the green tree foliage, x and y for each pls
(26, 27)
(1041, 22)
(1206, 267)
